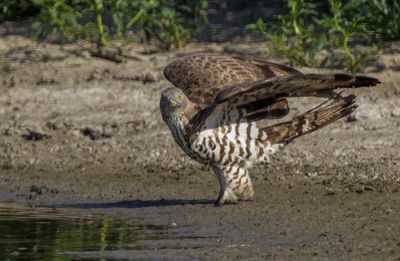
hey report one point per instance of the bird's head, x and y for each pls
(173, 101)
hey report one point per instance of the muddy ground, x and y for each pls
(83, 131)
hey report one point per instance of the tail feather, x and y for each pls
(283, 133)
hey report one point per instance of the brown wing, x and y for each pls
(246, 98)
(202, 76)
(293, 85)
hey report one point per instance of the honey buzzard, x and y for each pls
(215, 108)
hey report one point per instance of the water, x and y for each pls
(53, 234)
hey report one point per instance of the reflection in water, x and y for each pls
(43, 233)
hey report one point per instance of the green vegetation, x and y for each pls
(291, 36)
(382, 17)
(340, 28)
(320, 33)
(11, 9)
(170, 23)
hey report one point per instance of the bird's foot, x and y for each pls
(226, 197)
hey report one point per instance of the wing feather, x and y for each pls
(277, 89)
(292, 85)
(202, 76)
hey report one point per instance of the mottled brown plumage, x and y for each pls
(202, 76)
(213, 111)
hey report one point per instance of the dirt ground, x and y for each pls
(84, 131)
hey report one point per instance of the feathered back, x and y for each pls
(202, 76)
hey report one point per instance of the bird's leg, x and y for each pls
(226, 195)
(234, 183)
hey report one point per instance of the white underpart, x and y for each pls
(222, 125)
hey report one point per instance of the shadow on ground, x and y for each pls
(140, 203)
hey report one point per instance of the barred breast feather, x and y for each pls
(228, 138)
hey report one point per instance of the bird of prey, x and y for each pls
(219, 103)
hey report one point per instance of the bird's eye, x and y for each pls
(180, 97)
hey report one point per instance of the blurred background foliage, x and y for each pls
(171, 23)
(341, 28)
(305, 32)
